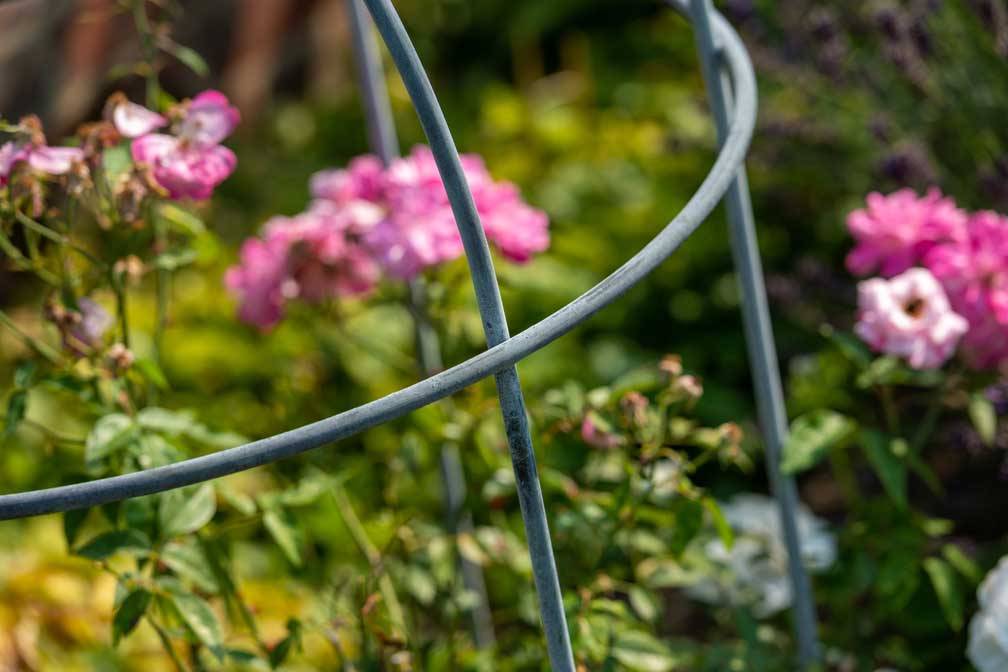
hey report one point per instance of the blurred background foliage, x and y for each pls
(595, 108)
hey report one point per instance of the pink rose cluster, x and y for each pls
(367, 221)
(944, 279)
(192, 162)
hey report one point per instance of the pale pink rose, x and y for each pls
(909, 317)
(893, 232)
(132, 120)
(208, 119)
(192, 164)
(186, 171)
(363, 179)
(974, 272)
(10, 154)
(596, 436)
(54, 160)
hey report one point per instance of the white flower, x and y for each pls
(754, 570)
(988, 632)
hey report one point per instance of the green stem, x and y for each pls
(48, 433)
(56, 237)
(38, 346)
(26, 264)
(373, 557)
(889, 409)
(166, 643)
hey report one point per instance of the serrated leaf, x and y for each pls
(984, 417)
(188, 562)
(200, 619)
(129, 613)
(186, 510)
(282, 526)
(109, 543)
(947, 588)
(889, 468)
(111, 433)
(811, 438)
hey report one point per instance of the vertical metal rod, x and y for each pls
(384, 142)
(494, 327)
(759, 337)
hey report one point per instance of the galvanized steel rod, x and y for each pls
(519, 346)
(759, 338)
(495, 328)
(385, 143)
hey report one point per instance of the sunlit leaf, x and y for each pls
(186, 510)
(811, 438)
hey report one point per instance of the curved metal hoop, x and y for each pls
(498, 357)
(732, 88)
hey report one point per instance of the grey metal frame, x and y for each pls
(731, 87)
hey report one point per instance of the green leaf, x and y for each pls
(282, 526)
(109, 434)
(812, 436)
(963, 564)
(892, 371)
(891, 470)
(200, 619)
(108, 543)
(724, 530)
(641, 652)
(117, 161)
(984, 417)
(186, 510)
(947, 588)
(643, 602)
(171, 261)
(182, 220)
(849, 345)
(72, 523)
(187, 560)
(191, 59)
(24, 374)
(151, 372)
(17, 408)
(165, 421)
(420, 584)
(284, 647)
(129, 613)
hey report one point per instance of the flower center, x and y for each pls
(914, 307)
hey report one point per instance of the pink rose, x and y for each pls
(895, 231)
(909, 317)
